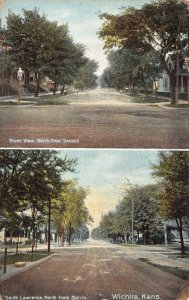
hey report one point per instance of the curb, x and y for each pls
(27, 267)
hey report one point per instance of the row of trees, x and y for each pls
(45, 48)
(160, 27)
(128, 68)
(34, 193)
(144, 209)
(138, 209)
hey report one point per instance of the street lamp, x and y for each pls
(20, 74)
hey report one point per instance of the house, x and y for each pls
(163, 84)
(9, 84)
(173, 232)
(5, 76)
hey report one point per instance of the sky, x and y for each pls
(82, 17)
(104, 172)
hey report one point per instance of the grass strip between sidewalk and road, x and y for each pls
(181, 273)
(11, 259)
(56, 99)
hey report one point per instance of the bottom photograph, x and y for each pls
(94, 224)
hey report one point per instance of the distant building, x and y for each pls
(163, 84)
(173, 232)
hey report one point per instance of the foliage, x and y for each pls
(173, 170)
(86, 77)
(142, 202)
(28, 180)
(159, 26)
(70, 213)
(44, 47)
(65, 57)
(106, 79)
(30, 36)
(128, 68)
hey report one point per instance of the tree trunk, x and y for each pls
(138, 237)
(144, 82)
(172, 79)
(180, 228)
(33, 226)
(37, 84)
(62, 89)
(69, 236)
(5, 236)
(155, 88)
(55, 85)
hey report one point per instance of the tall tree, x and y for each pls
(29, 180)
(65, 57)
(173, 171)
(30, 36)
(70, 212)
(159, 26)
(86, 77)
(139, 209)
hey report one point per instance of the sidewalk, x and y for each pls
(11, 270)
(161, 255)
(24, 98)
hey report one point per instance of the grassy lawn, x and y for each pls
(140, 98)
(177, 255)
(52, 100)
(149, 99)
(24, 102)
(11, 259)
(179, 105)
(183, 274)
(129, 245)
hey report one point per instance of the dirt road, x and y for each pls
(96, 119)
(94, 271)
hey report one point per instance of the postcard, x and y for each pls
(94, 158)
(98, 224)
(94, 74)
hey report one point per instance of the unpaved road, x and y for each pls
(94, 271)
(94, 119)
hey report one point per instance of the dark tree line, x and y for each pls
(31, 187)
(160, 27)
(45, 48)
(144, 209)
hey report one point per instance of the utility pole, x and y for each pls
(49, 225)
(165, 233)
(132, 222)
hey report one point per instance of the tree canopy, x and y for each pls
(46, 48)
(29, 179)
(138, 206)
(173, 171)
(159, 26)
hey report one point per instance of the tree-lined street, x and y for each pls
(96, 270)
(98, 118)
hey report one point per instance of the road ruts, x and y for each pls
(93, 273)
(97, 119)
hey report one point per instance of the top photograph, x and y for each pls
(94, 74)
